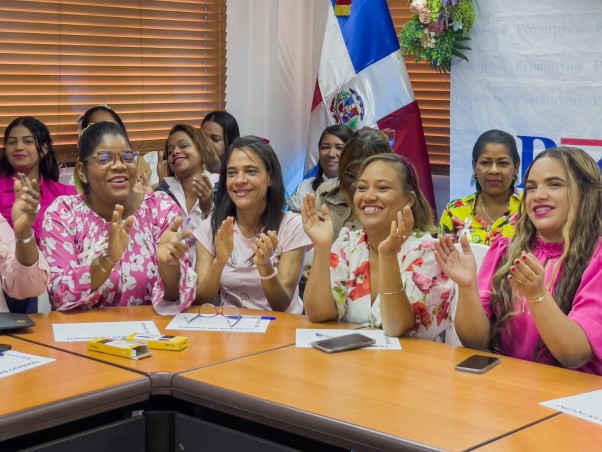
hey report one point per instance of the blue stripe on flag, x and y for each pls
(369, 19)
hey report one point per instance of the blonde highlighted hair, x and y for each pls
(580, 234)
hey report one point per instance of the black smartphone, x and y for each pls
(342, 343)
(478, 364)
(5, 347)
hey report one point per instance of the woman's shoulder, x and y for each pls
(60, 189)
(466, 201)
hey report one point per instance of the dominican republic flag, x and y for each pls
(362, 81)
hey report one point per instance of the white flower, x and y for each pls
(428, 40)
(457, 26)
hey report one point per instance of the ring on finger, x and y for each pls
(37, 209)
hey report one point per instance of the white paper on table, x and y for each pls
(82, 332)
(587, 406)
(383, 342)
(12, 362)
(250, 324)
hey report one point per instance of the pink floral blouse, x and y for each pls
(73, 236)
(429, 291)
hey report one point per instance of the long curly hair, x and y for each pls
(580, 238)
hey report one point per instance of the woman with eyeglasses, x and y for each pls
(112, 246)
(384, 274)
(250, 249)
(146, 177)
(337, 195)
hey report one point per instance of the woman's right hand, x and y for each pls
(224, 241)
(26, 206)
(459, 267)
(119, 234)
(320, 232)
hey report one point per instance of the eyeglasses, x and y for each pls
(106, 159)
(207, 310)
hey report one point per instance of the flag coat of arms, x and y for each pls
(362, 81)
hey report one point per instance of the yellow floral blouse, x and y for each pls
(460, 217)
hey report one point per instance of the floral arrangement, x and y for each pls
(437, 30)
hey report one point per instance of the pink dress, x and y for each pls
(18, 280)
(522, 339)
(49, 191)
(73, 236)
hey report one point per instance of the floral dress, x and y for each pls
(429, 291)
(73, 236)
(460, 217)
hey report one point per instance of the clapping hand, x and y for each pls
(224, 241)
(320, 232)
(26, 206)
(527, 277)
(264, 248)
(201, 185)
(119, 234)
(401, 229)
(172, 244)
(459, 267)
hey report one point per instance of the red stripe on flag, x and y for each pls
(317, 96)
(580, 142)
(409, 142)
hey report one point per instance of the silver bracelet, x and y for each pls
(27, 240)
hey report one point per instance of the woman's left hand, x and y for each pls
(204, 190)
(401, 229)
(527, 277)
(264, 247)
(172, 244)
(26, 205)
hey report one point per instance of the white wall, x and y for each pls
(273, 49)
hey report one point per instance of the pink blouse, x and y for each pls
(49, 191)
(19, 281)
(73, 236)
(522, 339)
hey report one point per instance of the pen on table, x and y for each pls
(262, 317)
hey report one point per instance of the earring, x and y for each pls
(474, 176)
(515, 177)
(85, 181)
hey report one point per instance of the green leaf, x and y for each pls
(459, 55)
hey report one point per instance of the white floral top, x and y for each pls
(429, 291)
(73, 236)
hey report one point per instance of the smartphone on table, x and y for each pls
(342, 343)
(478, 364)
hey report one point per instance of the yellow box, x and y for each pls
(118, 347)
(160, 341)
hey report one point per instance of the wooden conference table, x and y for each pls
(562, 432)
(67, 389)
(386, 400)
(205, 347)
(362, 399)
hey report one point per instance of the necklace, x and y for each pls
(485, 211)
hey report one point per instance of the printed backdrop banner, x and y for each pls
(362, 81)
(535, 71)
